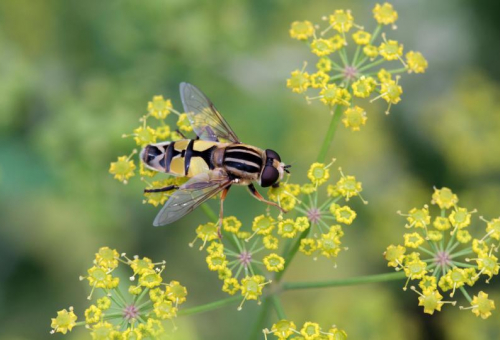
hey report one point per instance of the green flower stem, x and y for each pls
(278, 307)
(290, 253)
(345, 282)
(261, 319)
(209, 306)
(375, 63)
(209, 212)
(334, 123)
(467, 296)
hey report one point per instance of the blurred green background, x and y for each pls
(76, 75)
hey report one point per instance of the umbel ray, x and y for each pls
(213, 162)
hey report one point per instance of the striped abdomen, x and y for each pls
(243, 160)
(186, 157)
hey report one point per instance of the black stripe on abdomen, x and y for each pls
(249, 157)
(242, 167)
(187, 156)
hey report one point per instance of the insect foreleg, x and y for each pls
(168, 188)
(258, 196)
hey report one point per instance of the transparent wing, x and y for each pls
(207, 122)
(189, 196)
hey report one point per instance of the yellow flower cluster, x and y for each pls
(137, 314)
(319, 224)
(342, 81)
(285, 329)
(240, 264)
(443, 256)
(154, 128)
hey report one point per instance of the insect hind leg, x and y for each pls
(164, 189)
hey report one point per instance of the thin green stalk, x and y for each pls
(261, 318)
(278, 307)
(209, 306)
(334, 123)
(467, 296)
(289, 255)
(209, 212)
(345, 282)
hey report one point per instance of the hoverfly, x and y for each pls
(213, 162)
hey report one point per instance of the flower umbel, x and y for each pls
(345, 74)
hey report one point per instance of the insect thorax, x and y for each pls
(243, 161)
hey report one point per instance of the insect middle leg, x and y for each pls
(221, 212)
(167, 188)
(258, 196)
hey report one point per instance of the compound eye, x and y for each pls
(270, 175)
(273, 154)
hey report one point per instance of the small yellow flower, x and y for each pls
(363, 87)
(231, 224)
(141, 266)
(274, 262)
(286, 228)
(385, 14)
(319, 79)
(310, 330)
(341, 20)
(92, 314)
(362, 37)
(102, 331)
(104, 303)
(322, 47)
(442, 223)
(391, 92)
(251, 287)
(283, 329)
(263, 225)
(150, 279)
(349, 187)
(354, 118)
(460, 218)
(463, 236)
(318, 173)
(183, 123)
(384, 76)
(428, 283)
(301, 30)
(123, 169)
(162, 132)
(370, 51)
(337, 334)
(329, 94)
(176, 293)
(329, 244)
(435, 235)
(144, 136)
(324, 64)
(338, 42)
(308, 188)
(216, 261)
(64, 322)
(416, 62)
(487, 264)
(131, 334)
(270, 242)
(106, 257)
(345, 215)
(419, 218)
(493, 228)
(99, 278)
(231, 286)
(159, 107)
(395, 255)
(444, 198)
(164, 309)
(415, 268)
(207, 232)
(299, 81)
(430, 299)
(308, 246)
(413, 240)
(390, 50)
(301, 223)
(482, 306)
